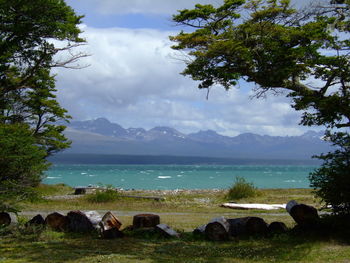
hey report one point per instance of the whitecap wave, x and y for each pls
(164, 177)
(290, 181)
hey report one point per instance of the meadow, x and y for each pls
(183, 211)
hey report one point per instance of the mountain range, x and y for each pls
(100, 136)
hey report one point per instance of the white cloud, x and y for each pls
(155, 7)
(134, 80)
(144, 6)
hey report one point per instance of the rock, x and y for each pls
(5, 219)
(145, 220)
(166, 231)
(57, 222)
(79, 222)
(277, 227)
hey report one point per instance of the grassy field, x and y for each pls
(183, 211)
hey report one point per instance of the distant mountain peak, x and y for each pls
(102, 136)
(102, 120)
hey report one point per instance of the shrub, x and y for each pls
(103, 196)
(241, 189)
(331, 181)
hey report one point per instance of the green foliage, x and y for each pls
(277, 48)
(103, 196)
(332, 180)
(241, 189)
(30, 116)
(21, 165)
(27, 52)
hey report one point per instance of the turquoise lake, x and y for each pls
(169, 177)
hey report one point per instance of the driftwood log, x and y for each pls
(145, 220)
(94, 217)
(199, 230)
(217, 229)
(57, 221)
(5, 219)
(37, 220)
(155, 198)
(277, 227)
(79, 222)
(112, 233)
(247, 226)
(304, 215)
(110, 226)
(110, 221)
(166, 231)
(80, 191)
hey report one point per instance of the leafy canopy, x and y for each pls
(275, 46)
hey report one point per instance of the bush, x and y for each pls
(241, 189)
(331, 181)
(103, 196)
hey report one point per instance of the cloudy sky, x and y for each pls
(134, 77)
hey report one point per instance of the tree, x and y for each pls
(21, 165)
(32, 34)
(301, 54)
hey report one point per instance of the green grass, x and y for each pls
(183, 211)
(60, 247)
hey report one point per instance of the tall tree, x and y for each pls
(32, 34)
(303, 54)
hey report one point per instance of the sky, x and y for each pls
(132, 76)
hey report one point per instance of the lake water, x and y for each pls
(168, 177)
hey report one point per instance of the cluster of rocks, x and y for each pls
(221, 228)
(217, 229)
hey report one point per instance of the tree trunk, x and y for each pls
(57, 222)
(277, 227)
(37, 220)
(79, 222)
(166, 231)
(94, 217)
(199, 230)
(110, 221)
(112, 233)
(145, 220)
(110, 226)
(247, 226)
(304, 215)
(5, 219)
(217, 229)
